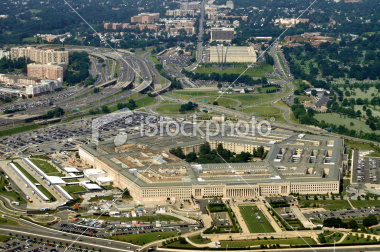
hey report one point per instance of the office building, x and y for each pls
(39, 55)
(145, 18)
(295, 163)
(222, 34)
(47, 71)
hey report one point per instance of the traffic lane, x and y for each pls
(54, 235)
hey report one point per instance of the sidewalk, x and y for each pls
(240, 219)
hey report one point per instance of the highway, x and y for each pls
(199, 41)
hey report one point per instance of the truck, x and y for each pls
(15, 203)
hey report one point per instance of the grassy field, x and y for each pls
(109, 197)
(253, 223)
(141, 239)
(257, 71)
(160, 217)
(46, 167)
(246, 243)
(360, 146)
(153, 59)
(35, 11)
(211, 95)
(73, 188)
(33, 180)
(199, 240)
(6, 221)
(338, 204)
(19, 130)
(357, 93)
(223, 102)
(351, 239)
(117, 68)
(326, 204)
(167, 107)
(12, 194)
(29, 39)
(265, 112)
(346, 121)
(282, 63)
(146, 101)
(4, 238)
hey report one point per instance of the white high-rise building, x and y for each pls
(230, 5)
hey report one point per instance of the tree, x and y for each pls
(314, 92)
(368, 112)
(205, 148)
(353, 224)
(215, 103)
(370, 220)
(191, 157)
(105, 109)
(268, 59)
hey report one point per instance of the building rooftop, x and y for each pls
(291, 158)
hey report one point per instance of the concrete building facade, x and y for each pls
(294, 164)
(145, 18)
(47, 71)
(39, 55)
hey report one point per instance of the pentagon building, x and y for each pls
(295, 163)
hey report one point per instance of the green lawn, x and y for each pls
(257, 71)
(110, 197)
(153, 59)
(357, 93)
(223, 102)
(199, 240)
(117, 68)
(365, 203)
(246, 243)
(46, 167)
(33, 180)
(326, 204)
(345, 121)
(141, 239)
(19, 130)
(146, 101)
(167, 107)
(350, 239)
(35, 11)
(211, 95)
(4, 237)
(339, 204)
(253, 223)
(282, 63)
(265, 112)
(30, 39)
(360, 146)
(6, 221)
(73, 188)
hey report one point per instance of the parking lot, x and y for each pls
(68, 135)
(343, 214)
(28, 245)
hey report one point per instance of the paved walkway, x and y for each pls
(305, 222)
(272, 221)
(240, 219)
